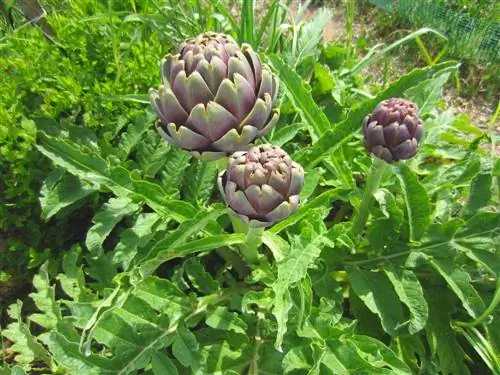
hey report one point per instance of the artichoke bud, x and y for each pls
(216, 97)
(261, 185)
(393, 130)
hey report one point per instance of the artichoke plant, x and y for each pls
(216, 98)
(261, 185)
(393, 130)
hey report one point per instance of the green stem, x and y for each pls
(253, 241)
(249, 250)
(372, 183)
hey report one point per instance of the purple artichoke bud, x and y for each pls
(216, 98)
(262, 185)
(393, 130)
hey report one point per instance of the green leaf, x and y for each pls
(92, 168)
(135, 237)
(311, 34)
(199, 278)
(296, 359)
(162, 365)
(174, 245)
(133, 135)
(373, 347)
(304, 251)
(286, 133)
(61, 193)
(186, 349)
(410, 292)
(45, 300)
(157, 159)
(199, 182)
(383, 230)
(221, 318)
(459, 281)
(68, 356)
(342, 131)
(480, 190)
(172, 174)
(322, 200)
(25, 345)
(427, 93)
(299, 93)
(417, 201)
(104, 222)
(440, 335)
(376, 291)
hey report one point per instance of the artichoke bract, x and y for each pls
(393, 130)
(216, 98)
(261, 185)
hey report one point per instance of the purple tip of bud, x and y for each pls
(393, 130)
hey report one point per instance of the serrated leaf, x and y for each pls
(427, 93)
(172, 173)
(410, 292)
(68, 356)
(133, 134)
(364, 354)
(417, 201)
(224, 359)
(372, 347)
(45, 300)
(105, 220)
(300, 94)
(311, 34)
(295, 359)
(63, 193)
(138, 235)
(221, 318)
(199, 278)
(440, 335)
(199, 182)
(92, 168)
(459, 281)
(284, 134)
(175, 244)
(157, 159)
(304, 251)
(278, 246)
(25, 345)
(384, 230)
(186, 349)
(322, 200)
(377, 293)
(480, 190)
(162, 365)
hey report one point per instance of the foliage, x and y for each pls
(153, 280)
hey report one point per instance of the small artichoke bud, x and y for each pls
(261, 185)
(393, 130)
(216, 97)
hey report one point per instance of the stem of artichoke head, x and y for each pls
(375, 174)
(250, 249)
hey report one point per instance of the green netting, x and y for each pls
(473, 38)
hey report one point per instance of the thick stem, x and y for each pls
(372, 183)
(253, 241)
(249, 250)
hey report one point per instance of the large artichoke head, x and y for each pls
(216, 98)
(261, 185)
(393, 130)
